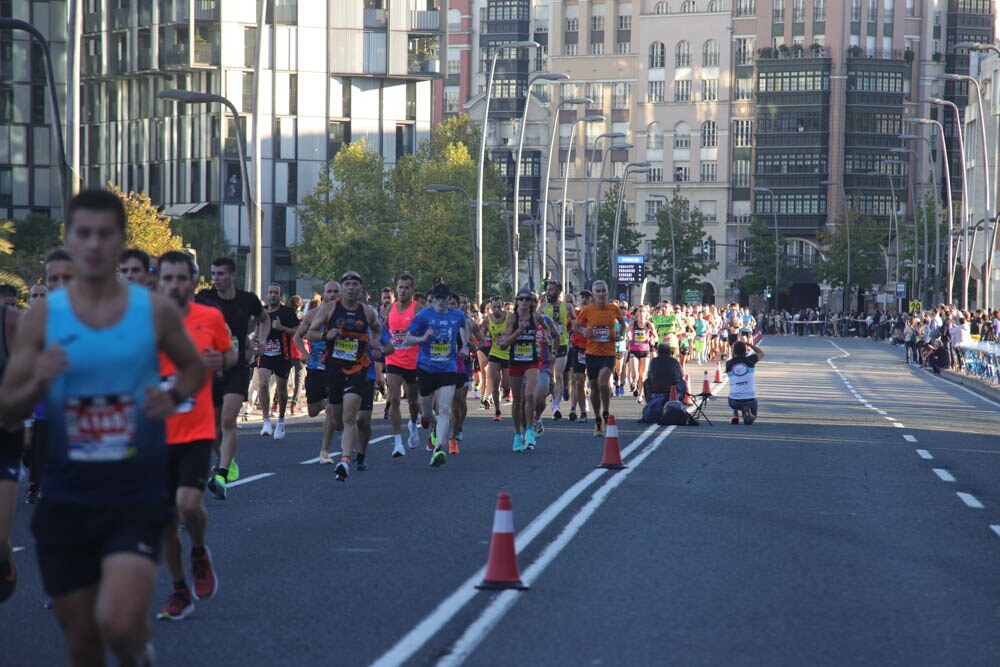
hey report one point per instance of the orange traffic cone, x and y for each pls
(706, 386)
(612, 454)
(718, 372)
(673, 393)
(687, 394)
(501, 568)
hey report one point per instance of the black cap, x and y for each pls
(351, 275)
(441, 290)
(586, 292)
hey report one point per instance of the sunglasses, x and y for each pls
(524, 298)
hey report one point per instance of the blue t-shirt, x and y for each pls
(438, 354)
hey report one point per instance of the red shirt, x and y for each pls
(398, 322)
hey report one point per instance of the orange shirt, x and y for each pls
(601, 322)
(195, 418)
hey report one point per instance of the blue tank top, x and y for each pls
(102, 449)
(317, 352)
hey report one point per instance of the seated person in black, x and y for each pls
(665, 372)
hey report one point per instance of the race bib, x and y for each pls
(100, 428)
(187, 405)
(524, 352)
(345, 349)
(440, 351)
(272, 348)
(581, 356)
(640, 336)
(601, 334)
(397, 338)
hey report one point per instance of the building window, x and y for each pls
(655, 175)
(709, 172)
(597, 21)
(6, 104)
(655, 91)
(682, 54)
(654, 137)
(743, 133)
(624, 22)
(279, 226)
(624, 48)
(451, 101)
(595, 91)
(798, 11)
(744, 89)
(746, 7)
(710, 90)
(653, 207)
(621, 95)
(597, 48)
(569, 49)
(682, 91)
(741, 173)
(819, 10)
(661, 8)
(744, 50)
(682, 136)
(709, 134)
(682, 173)
(572, 24)
(710, 54)
(454, 67)
(338, 135)
(657, 55)
(778, 11)
(249, 46)
(688, 7)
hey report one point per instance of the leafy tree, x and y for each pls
(36, 235)
(629, 236)
(205, 236)
(8, 277)
(866, 259)
(147, 228)
(348, 221)
(757, 256)
(688, 229)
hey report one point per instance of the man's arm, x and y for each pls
(375, 340)
(759, 352)
(299, 337)
(315, 332)
(31, 368)
(511, 330)
(263, 326)
(172, 338)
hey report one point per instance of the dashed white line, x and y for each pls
(247, 480)
(970, 500)
(996, 529)
(892, 419)
(898, 425)
(316, 460)
(910, 438)
(882, 412)
(944, 475)
(924, 454)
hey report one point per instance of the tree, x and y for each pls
(758, 257)
(348, 221)
(205, 236)
(146, 228)
(629, 237)
(688, 228)
(866, 259)
(8, 277)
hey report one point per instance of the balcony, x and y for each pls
(376, 19)
(206, 10)
(795, 52)
(425, 21)
(793, 139)
(423, 65)
(286, 13)
(206, 54)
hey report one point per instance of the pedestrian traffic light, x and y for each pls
(706, 247)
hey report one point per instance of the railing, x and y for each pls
(804, 52)
(425, 20)
(206, 10)
(205, 54)
(981, 361)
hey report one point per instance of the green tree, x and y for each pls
(348, 220)
(758, 258)
(687, 226)
(8, 277)
(629, 236)
(205, 236)
(147, 228)
(866, 259)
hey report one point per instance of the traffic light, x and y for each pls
(706, 247)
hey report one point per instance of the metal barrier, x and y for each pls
(981, 361)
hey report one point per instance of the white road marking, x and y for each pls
(16, 549)
(493, 614)
(898, 425)
(967, 391)
(892, 419)
(910, 438)
(996, 529)
(415, 639)
(924, 454)
(944, 475)
(882, 412)
(970, 500)
(247, 480)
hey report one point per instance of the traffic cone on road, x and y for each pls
(687, 394)
(706, 386)
(718, 372)
(501, 567)
(612, 454)
(673, 393)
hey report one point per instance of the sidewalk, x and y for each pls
(975, 385)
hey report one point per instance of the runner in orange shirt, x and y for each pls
(190, 433)
(596, 323)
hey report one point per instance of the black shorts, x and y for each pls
(11, 447)
(503, 363)
(409, 375)
(460, 380)
(188, 466)
(234, 381)
(315, 385)
(280, 366)
(596, 363)
(72, 540)
(562, 351)
(579, 360)
(339, 384)
(639, 354)
(368, 398)
(733, 337)
(431, 382)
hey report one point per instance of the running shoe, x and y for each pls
(453, 446)
(233, 472)
(529, 438)
(279, 430)
(8, 577)
(423, 422)
(518, 443)
(34, 494)
(217, 485)
(398, 450)
(598, 431)
(324, 459)
(359, 462)
(748, 416)
(179, 606)
(538, 428)
(506, 396)
(736, 418)
(414, 439)
(496, 416)
(565, 394)
(438, 458)
(582, 419)
(266, 429)
(206, 585)
(572, 416)
(556, 416)
(475, 394)
(431, 442)
(342, 471)
(458, 436)
(635, 393)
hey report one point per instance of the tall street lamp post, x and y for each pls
(925, 280)
(673, 246)
(594, 118)
(253, 277)
(499, 48)
(777, 244)
(633, 168)
(848, 305)
(590, 176)
(543, 77)
(951, 214)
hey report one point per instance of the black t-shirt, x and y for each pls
(665, 371)
(279, 343)
(238, 313)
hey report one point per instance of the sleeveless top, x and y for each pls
(526, 348)
(102, 448)
(399, 322)
(559, 313)
(639, 341)
(347, 351)
(494, 332)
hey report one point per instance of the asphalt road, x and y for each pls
(857, 522)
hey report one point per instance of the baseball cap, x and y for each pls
(524, 292)
(586, 292)
(351, 275)
(441, 291)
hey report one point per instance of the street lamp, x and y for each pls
(253, 278)
(590, 175)
(545, 76)
(592, 118)
(499, 48)
(986, 182)
(777, 244)
(965, 196)
(673, 247)
(847, 229)
(438, 187)
(895, 214)
(573, 101)
(925, 279)
(633, 168)
(951, 217)
(57, 126)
